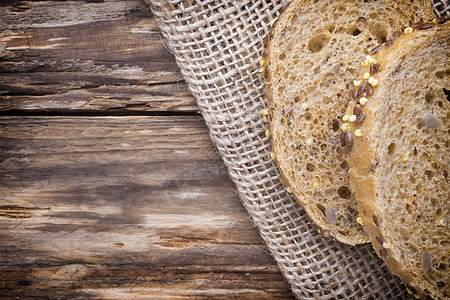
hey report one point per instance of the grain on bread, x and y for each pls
(308, 58)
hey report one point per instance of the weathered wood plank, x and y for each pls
(86, 56)
(121, 207)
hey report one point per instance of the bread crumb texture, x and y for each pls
(402, 180)
(412, 136)
(312, 61)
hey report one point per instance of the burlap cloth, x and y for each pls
(217, 45)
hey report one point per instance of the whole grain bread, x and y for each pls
(310, 55)
(399, 160)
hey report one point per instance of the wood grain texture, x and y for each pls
(121, 207)
(97, 205)
(86, 56)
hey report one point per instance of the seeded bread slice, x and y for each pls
(310, 55)
(399, 160)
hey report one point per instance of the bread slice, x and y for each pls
(399, 160)
(310, 55)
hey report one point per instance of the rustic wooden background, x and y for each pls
(109, 184)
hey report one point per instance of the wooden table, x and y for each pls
(109, 184)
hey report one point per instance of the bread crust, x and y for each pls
(364, 158)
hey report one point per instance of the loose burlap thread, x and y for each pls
(217, 46)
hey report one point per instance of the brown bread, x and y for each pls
(400, 162)
(311, 54)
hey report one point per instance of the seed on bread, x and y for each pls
(349, 217)
(272, 23)
(408, 30)
(426, 260)
(266, 40)
(376, 221)
(266, 74)
(369, 90)
(416, 25)
(357, 110)
(388, 43)
(354, 93)
(362, 88)
(396, 34)
(441, 20)
(379, 240)
(374, 68)
(405, 157)
(370, 59)
(267, 133)
(363, 101)
(342, 138)
(348, 139)
(358, 132)
(264, 53)
(375, 50)
(331, 215)
(351, 211)
(425, 26)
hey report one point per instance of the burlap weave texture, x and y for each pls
(217, 45)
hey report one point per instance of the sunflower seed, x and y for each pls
(426, 260)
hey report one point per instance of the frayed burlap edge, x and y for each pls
(217, 46)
